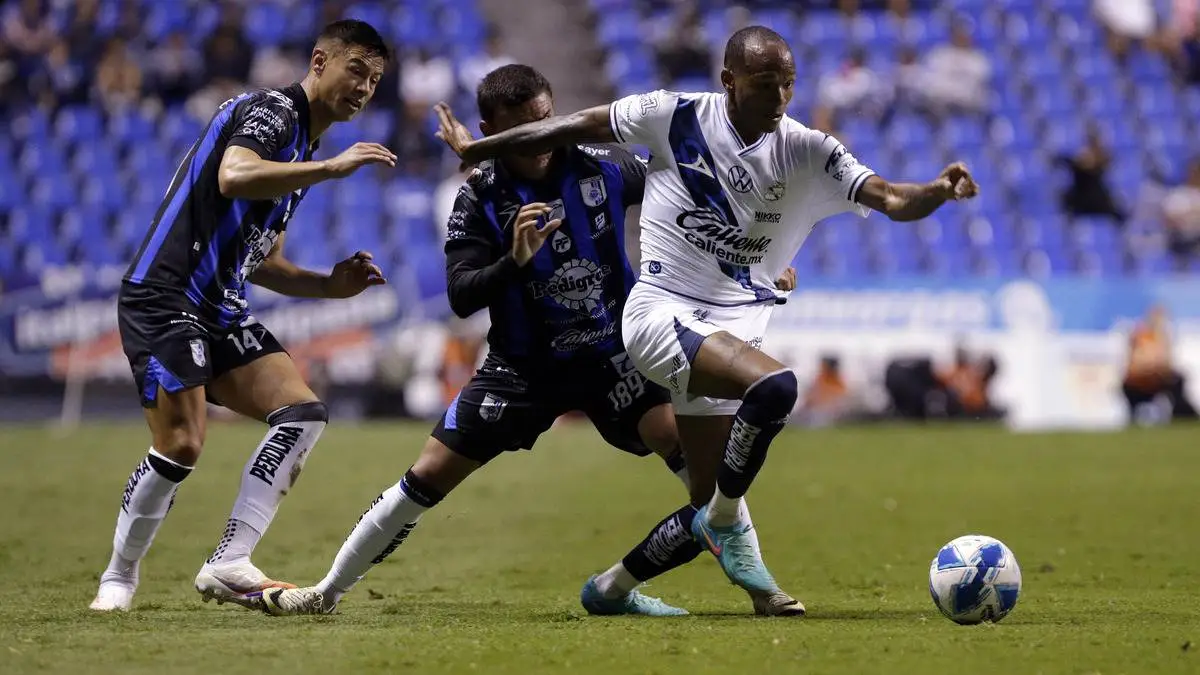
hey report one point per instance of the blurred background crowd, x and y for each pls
(1078, 117)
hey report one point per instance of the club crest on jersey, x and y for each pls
(198, 357)
(775, 192)
(739, 179)
(492, 407)
(560, 242)
(593, 190)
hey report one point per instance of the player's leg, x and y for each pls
(170, 367)
(258, 379)
(645, 424)
(497, 411)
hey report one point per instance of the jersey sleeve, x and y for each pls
(643, 119)
(633, 177)
(836, 174)
(264, 125)
(477, 271)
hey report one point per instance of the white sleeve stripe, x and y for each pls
(857, 185)
(612, 122)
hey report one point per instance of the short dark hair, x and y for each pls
(352, 32)
(735, 49)
(509, 86)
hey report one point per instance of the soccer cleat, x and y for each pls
(293, 601)
(113, 596)
(734, 552)
(632, 602)
(776, 604)
(239, 582)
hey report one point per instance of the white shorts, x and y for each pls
(663, 331)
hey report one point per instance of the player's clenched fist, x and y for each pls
(357, 155)
(353, 276)
(956, 182)
(527, 237)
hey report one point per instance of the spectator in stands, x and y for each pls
(1180, 39)
(11, 89)
(474, 68)
(118, 77)
(1125, 22)
(425, 79)
(1088, 193)
(910, 80)
(684, 50)
(827, 399)
(60, 79)
(30, 31)
(958, 75)
(227, 54)
(1149, 371)
(275, 66)
(854, 89)
(174, 69)
(966, 385)
(81, 30)
(1181, 215)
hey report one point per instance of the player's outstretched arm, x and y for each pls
(243, 174)
(585, 126)
(914, 201)
(347, 279)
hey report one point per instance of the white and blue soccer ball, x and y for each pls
(975, 579)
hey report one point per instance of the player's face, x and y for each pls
(348, 80)
(540, 107)
(763, 91)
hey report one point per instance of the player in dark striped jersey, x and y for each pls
(185, 324)
(539, 241)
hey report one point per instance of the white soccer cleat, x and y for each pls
(294, 601)
(777, 603)
(113, 596)
(239, 582)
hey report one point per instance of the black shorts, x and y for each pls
(502, 409)
(168, 345)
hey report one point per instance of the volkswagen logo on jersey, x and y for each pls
(577, 285)
(739, 179)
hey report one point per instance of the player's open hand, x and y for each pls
(527, 236)
(452, 132)
(353, 276)
(787, 280)
(956, 182)
(358, 155)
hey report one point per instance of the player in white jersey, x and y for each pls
(734, 188)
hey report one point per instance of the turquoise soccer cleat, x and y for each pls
(733, 550)
(632, 602)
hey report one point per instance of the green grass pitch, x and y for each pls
(1104, 526)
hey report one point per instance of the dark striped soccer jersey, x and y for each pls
(203, 245)
(566, 303)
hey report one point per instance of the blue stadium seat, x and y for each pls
(266, 23)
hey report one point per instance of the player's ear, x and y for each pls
(319, 59)
(485, 128)
(727, 80)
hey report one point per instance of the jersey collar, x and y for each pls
(743, 149)
(300, 99)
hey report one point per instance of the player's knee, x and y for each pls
(182, 446)
(776, 393)
(309, 411)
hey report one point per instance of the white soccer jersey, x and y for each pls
(721, 220)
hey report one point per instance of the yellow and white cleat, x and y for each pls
(294, 601)
(113, 596)
(776, 603)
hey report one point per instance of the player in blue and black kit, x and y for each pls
(185, 323)
(539, 241)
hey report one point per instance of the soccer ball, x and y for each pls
(975, 579)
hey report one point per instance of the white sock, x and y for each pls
(744, 519)
(682, 475)
(616, 581)
(380, 531)
(148, 496)
(724, 511)
(271, 471)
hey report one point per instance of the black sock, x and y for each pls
(763, 414)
